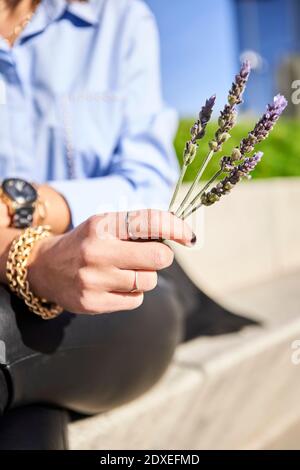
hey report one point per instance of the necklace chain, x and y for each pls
(19, 27)
(66, 113)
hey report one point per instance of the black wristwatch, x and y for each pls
(21, 198)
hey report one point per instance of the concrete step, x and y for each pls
(233, 391)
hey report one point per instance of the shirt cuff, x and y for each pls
(92, 196)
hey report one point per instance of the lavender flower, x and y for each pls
(226, 122)
(224, 187)
(228, 116)
(264, 125)
(198, 129)
(235, 175)
(191, 147)
(237, 165)
(258, 134)
(228, 163)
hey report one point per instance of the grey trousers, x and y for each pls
(93, 364)
(88, 364)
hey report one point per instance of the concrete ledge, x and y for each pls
(129, 426)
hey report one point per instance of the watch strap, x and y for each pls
(23, 217)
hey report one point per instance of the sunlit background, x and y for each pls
(202, 45)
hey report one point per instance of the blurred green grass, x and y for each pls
(281, 149)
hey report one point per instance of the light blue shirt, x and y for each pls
(81, 107)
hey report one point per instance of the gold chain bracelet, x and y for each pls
(16, 272)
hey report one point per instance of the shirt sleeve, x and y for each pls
(143, 167)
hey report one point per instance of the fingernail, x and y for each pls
(193, 239)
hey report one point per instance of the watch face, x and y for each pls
(19, 190)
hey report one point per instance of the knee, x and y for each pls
(102, 361)
(159, 329)
(140, 348)
(133, 351)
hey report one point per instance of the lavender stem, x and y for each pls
(190, 209)
(180, 209)
(197, 133)
(226, 123)
(178, 185)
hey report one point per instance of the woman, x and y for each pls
(82, 118)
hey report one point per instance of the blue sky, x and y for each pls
(198, 50)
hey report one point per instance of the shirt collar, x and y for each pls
(50, 10)
(86, 11)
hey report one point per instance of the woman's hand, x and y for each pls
(92, 270)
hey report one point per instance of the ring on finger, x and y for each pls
(129, 233)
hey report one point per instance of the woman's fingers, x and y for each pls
(150, 256)
(153, 224)
(122, 280)
(113, 302)
(148, 224)
(117, 301)
(112, 279)
(99, 269)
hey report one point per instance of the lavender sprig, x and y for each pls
(191, 147)
(224, 187)
(228, 116)
(226, 122)
(257, 135)
(198, 129)
(264, 125)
